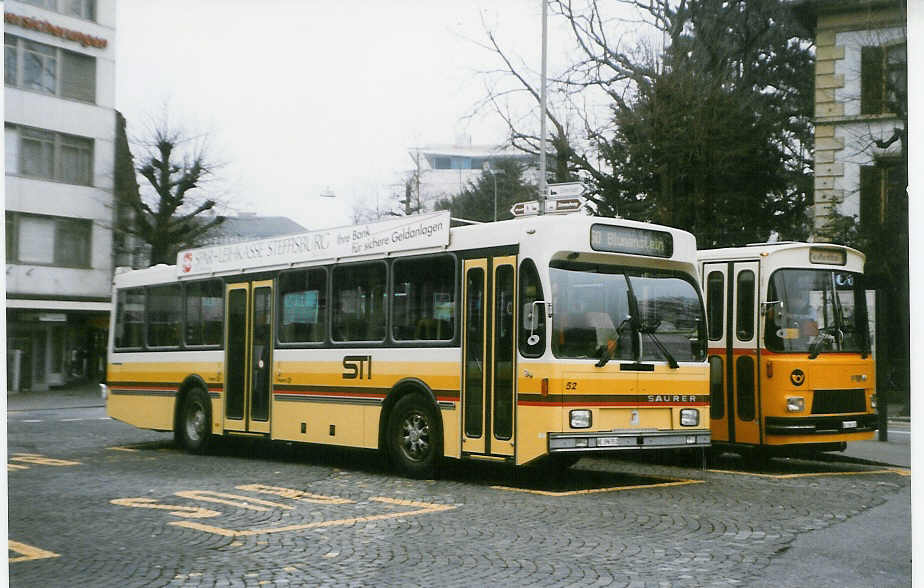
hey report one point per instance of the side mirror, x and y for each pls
(531, 319)
(765, 307)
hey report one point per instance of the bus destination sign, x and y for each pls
(400, 234)
(616, 239)
(828, 256)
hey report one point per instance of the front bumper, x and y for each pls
(627, 440)
(862, 423)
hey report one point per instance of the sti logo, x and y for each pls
(187, 262)
(797, 377)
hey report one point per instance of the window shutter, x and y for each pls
(870, 198)
(871, 80)
(78, 76)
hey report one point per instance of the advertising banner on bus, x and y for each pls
(399, 234)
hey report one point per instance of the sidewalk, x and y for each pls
(83, 395)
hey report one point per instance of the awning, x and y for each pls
(59, 305)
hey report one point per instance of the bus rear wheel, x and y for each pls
(413, 439)
(195, 422)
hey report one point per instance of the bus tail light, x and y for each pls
(689, 417)
(795, 404)
(580, 419)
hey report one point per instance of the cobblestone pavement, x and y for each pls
(93, 502)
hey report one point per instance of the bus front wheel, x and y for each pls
(414, 441)
(195, 422)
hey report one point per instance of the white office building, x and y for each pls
(60, 127)
(446, 170)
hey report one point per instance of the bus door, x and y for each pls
(733, 354)
(248, 356)
(488, 341)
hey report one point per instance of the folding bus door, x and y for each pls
(731, 299)
(248, 356)
(488, 349)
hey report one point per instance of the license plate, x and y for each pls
(607, 441)
(850, 424)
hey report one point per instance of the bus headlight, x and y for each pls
(580, 419)
(873, 401)
(795, 404)
(689, 417)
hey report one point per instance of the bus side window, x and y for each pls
(531, 340)
(423, 300)
(715, 304)
(130, 319)
(303, 312)
(164, 316)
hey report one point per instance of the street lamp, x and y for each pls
(488, 169)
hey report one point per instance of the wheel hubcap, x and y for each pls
(195, 422)
(415, 436)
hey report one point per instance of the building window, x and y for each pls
(48, 240)
(49, 155)
(48, 69)
(883, 79)
(882, 194)
(442, 163)
(85, 9)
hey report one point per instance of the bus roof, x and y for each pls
(786, 248)
(412, 235)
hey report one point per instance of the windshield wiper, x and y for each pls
(649, 328)
(612, 346)
(825, 335)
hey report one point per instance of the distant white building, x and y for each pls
(445, 170)
(59, 130)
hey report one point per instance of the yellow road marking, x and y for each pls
(294, 494)
(598, 490)
(42, 460)
(15, 466)
(422, 508)
(189, 512)
(232, 499)
(123, 449)
(900, 472)
(28, 552)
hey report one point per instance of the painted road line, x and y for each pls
(42, 460)
(245, 502)
(190, 512)
(294, 494)
(28, 553)
(31, 421)
(599, 490)
(15, 466)
(129, 449)
(421, 509)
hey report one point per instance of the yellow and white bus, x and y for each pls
(791, 367)
(510, 341)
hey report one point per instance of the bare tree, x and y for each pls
(171, 211)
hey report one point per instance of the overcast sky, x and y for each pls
(302, 96)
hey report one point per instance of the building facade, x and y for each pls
(59, 129)
(445, 170)
(860, 107)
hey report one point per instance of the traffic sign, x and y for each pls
(564, 205)
(564, 189)
(528, 208)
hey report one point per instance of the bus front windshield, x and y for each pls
(622, 313)
(814, 310)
